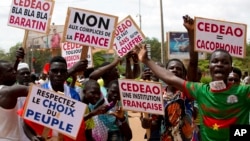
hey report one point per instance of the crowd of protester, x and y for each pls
(193, 111)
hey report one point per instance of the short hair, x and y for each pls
(237, 71)
(90, 82)
(178, 60)
(113, 82)
(58, 59)
(221, 50)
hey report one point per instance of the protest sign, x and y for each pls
(141, 96)
(178, 45)
(54, 110)
(71, 52)
(89, 28)
(90, 58)
(127, 35)
(214, 34)
(34, 15)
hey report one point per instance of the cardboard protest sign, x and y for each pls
(214, 34)
(127, 35)
(90, 58)
(31, 15)
(178, 45)
(71, 52)
(54, 110)
(141, 96)
(89, 28)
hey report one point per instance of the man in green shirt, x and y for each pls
(221, 104)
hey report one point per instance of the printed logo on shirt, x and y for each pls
(217, 85)
(232, 99)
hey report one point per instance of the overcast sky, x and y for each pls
(173, 10)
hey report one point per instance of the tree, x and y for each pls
(3, 55)
(155, 48)
(11, 56)
(98, 58)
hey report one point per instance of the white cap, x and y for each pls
(22, 65)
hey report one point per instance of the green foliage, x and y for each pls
(3, 55)
(98, 58)
(155, 48)
(206, 79)
(11, 56)
(243, 64)
(203, 65)
(121, 69)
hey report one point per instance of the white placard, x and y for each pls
(89, 28)
(32, 15)
(141, 96)
(127, 35)
(54, 110)
(214, 34)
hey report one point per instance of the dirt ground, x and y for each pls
(135, 124)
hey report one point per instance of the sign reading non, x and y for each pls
(54, 110)
(213, 34)
(141, 96)
(89, 28)
(127, 35)
(34, 15)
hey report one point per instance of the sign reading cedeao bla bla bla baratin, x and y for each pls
(54, 111)
(34, 15)
(127, 35)
(90, 28)
(214, 34)
(141, 96)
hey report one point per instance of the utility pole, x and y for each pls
(139, 15)
(163, 56)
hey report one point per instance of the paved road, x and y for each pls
(135, 124)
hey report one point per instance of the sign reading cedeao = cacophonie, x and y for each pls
(54, 110)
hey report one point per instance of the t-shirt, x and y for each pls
(110, 120)
(9, 129)
(177, 123)
(219, 108)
